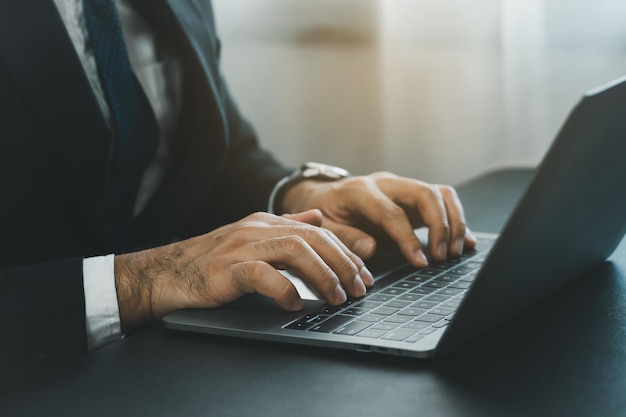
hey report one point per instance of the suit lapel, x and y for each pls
(45, 66)
(36, 48)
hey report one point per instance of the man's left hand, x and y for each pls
(358, 208)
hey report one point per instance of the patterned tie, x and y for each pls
(134, 123)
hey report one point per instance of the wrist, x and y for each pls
(297, 198)
(289, 192)
(134, 288)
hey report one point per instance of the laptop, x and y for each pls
(570, 218)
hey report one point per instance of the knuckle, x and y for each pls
(252, 270)
(447, 190)
(393, 212)
(383, 175)
(295, 244)
(328, 277)
(258, 217)
(431, 190)
(347, 268)
(357, 182)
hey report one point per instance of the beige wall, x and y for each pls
(436, 89)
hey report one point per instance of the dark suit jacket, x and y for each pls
(55, 152)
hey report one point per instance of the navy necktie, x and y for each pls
(134, 123)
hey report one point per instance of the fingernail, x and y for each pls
(363, 247)
(359, 286)
(443, 250)
(340, 295)
(419, 255)
(367, 277)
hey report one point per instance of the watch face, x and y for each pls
(316, 170)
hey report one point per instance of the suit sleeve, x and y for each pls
(42, 317)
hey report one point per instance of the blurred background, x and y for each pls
(441, 90)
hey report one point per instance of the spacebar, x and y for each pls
(331, 324)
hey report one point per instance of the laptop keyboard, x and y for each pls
(406, 305)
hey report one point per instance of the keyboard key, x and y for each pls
(416, 325)
(387, 311)
(369, 305)
(440, 324)
(414, 338)
(442, 311)
(427, 330)
(397, 303)
(461, 284)
(352, 328)
(399, 319)
(371, 333)
(392, 291)
(332, 323)
(355, 311)
(409, 297)
(460, 270)
(441, 266)
(447, 278)
(385, 325)
(407, 285)
(300, 325)
(450, 291)
(428, 272)
(437, 297)
(468, 278)
(450, 304)
(422, 290)
(435, 284)
(429, 318)
(399, 334)
(417, 278)
(372, 318)
(424, 304)
(378, 297)
(414, 312)
(328, 310)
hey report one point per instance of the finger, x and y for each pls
(470, 239)
(456, 219)
(347, 266)
(365, 244)
(362, 244)
(365, 275)
(381, 210)
(313, 217)
(428, 202)
(260, 277)
(323, 264)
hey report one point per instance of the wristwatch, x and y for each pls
(308, 171)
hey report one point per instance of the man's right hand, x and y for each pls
(240, 258)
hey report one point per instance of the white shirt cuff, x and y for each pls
(101, 308)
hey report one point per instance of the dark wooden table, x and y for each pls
(564, 357)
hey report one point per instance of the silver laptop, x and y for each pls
(571, 217)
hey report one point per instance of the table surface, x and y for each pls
(566, 356)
